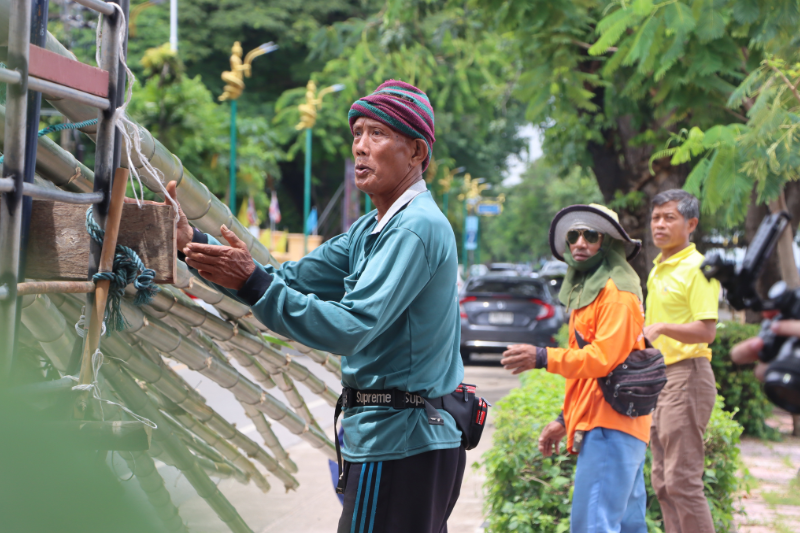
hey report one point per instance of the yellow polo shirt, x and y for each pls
(678, 293)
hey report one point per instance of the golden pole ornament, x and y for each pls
(234, 78)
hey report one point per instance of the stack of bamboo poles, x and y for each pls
(190, 435)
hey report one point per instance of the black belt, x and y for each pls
(394, 398)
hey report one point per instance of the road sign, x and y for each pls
(489, 208)
(471, 232)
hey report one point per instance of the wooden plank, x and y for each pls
(59, 245)
(54, 67)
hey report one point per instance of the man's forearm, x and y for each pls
(699, 331)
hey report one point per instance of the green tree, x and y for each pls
(437, 48)
(613, 80)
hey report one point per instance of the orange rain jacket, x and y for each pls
(612, 325)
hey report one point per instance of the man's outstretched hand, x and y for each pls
(184, 230)
(227, 266)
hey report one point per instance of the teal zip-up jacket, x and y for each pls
(388, 303)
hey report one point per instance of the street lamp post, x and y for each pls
(446, 183)
(472, 193)
(308, 117)
(234, 85)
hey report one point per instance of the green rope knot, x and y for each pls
(128, 268)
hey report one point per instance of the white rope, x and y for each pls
(80, 327)
(131, 132)
(94, 386)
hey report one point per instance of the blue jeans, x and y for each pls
(609, 495)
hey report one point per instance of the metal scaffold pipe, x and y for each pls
(18, 29)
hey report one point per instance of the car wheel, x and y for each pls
(465, 356)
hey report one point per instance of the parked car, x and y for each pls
(498, 310)
(553, 272)
(477, 270)
(502, 267)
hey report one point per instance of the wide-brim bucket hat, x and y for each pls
(593, 216)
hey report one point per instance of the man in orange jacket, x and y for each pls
(605, 295)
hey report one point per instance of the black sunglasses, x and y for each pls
(591, 236)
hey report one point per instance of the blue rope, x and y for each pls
(128, 268)
(62, 127)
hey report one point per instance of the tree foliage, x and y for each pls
(611, 81)
(730, 160)
(437, 48)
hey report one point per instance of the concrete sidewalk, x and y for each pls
(314, 507)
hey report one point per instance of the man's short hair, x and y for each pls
(688, 205)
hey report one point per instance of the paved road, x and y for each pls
(313, 507)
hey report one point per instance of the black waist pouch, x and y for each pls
(633, 387)
(468, 410)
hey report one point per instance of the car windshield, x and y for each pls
(523, 288)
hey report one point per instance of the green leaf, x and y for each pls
(625, 18)
(719, 135)
(711, 24)
(679, 19)
(642, 41)
(697, 177)
(746, 11)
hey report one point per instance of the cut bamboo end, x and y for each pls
(54, 287)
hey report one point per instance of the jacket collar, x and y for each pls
(412, 192)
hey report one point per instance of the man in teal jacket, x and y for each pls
(383, 295)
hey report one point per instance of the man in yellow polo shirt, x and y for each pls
(681, 318)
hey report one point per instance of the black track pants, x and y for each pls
(411, 495)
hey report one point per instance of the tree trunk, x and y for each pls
(621, 168)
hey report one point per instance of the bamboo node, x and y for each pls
(76, 175)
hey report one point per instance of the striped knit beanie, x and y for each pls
(402, 107)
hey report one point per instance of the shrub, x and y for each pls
(738, 385)
(529, 493)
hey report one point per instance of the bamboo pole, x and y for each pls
(171, 386)
(50, 287)
(174, 302)
(106, 264)
(53, 334)
(171, 342)
(270, 440)
(152, 484)
(136, 400)
(222, 470)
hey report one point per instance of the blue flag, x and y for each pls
(311, 223)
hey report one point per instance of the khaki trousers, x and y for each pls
(684, 409)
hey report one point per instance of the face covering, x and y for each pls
(585, 279)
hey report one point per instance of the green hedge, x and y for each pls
(738, 384)
(528, 493)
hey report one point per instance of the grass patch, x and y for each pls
(791, 496)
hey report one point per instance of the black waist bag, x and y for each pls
(632, 388)
(469, 412)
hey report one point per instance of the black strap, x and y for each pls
(341, 484)
(393, 398)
